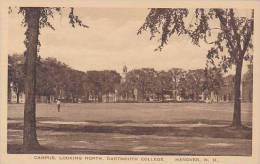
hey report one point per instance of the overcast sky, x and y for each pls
(110, 43)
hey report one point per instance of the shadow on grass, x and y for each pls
(204, 132)
(211, 131)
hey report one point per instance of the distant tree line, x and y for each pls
(57, 79)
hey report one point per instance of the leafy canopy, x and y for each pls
(224, 26)
(46, 13)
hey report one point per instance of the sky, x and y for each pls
(110, 42)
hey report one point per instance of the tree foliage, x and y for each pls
(223, 26)
(142, 79)
(231, 34)
(16, 74)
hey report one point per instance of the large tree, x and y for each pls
(195, 83)
(35, 18)
(214, 81)
(164, 84)
(176, 74)
(111, 79)
(16, 75)
(73, 85)
(143, 80)
(55, 78)
(229, 31)
(45, 79)
(98, 83)
(94, 81)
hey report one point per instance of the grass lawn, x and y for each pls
(118, 128)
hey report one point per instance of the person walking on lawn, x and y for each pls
(58, 105)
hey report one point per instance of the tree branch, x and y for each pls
(225, 28)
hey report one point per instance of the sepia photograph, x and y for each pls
(146, 81)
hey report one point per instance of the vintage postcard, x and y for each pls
(130, 82)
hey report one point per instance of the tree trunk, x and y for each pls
(87, 100)
(162, 96)
(48, 99)
(175, 93)
(99, 96)
(17, 97)
(107, 97)
(9, 92)
(237, 98)
(32, 16)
